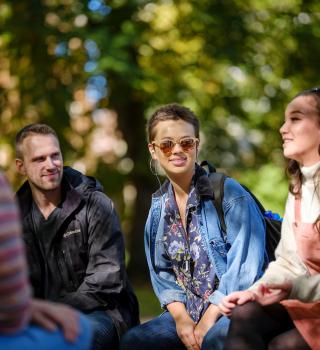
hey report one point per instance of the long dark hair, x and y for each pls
(293, 168)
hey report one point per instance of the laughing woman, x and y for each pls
(282, 310)
(191, 265)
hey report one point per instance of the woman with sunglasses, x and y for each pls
(191, 265)
(282, 310)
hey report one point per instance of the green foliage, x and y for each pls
(235, 63)
(268, 184)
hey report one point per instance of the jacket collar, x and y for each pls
(71, 198)
(202, 184)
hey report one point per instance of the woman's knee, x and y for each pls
(290, 340)
(245, 312)
(133, 339)
(156, 334)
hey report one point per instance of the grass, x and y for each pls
(148, 302)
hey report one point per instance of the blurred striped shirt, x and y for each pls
(14, 287)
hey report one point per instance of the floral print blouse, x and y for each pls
(187, 252)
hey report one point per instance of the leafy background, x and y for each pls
(95, 70)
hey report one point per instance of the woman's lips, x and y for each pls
(178, 161)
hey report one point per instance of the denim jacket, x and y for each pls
(239, 259)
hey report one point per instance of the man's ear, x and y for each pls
(20, 166)
(152, 151)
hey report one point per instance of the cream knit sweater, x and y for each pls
(288, 265)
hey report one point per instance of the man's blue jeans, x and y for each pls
(160, 334)
(105, 335)
(36, 338)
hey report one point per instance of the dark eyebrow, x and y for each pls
(172, 138)
(296, 111)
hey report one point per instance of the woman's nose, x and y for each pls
(284, 128)
(177, 148)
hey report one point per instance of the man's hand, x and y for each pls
(273, 293)
(229, 302)
(208, 319)
(52, 315)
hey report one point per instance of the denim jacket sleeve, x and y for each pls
(162, 275)
(245, 254)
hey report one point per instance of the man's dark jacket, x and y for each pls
(82, 264)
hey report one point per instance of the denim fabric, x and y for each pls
(160, 334)
(214, 339)
(157, 334)
(36, 338)
(104, 331)
(238, 261)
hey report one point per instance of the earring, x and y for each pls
(153, 166)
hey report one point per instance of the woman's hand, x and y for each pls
(184, 325)
(273, 293)
(185, 330)
(229, 302)
(208, 319)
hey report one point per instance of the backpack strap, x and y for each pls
(217, 185)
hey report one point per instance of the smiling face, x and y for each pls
(179, 162)
(41, 162)
(301, 131)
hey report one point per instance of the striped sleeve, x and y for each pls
(14, 287)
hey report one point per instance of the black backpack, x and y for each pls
(273, 221)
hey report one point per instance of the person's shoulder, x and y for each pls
(81, 182)
(6, 194)
(4, 185)
(154, 213)
(99, 200)
(89, 188)
(3, 180)
(233, 189)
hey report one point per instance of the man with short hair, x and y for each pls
(74, 243)
(27, 323)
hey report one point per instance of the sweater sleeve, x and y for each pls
(306, 288)
(14, 287)
(288, 265)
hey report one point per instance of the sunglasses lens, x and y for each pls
(166, 146)
(187, 144)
